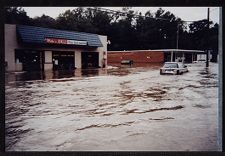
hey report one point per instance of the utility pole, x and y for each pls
(177, 35)
(207, 51)
(177, 46)
(177, 43)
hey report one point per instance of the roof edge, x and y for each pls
(161, 50)
(56, 29)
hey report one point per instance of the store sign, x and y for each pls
(76, 42)
(64, 41)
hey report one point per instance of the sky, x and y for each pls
(185, 13)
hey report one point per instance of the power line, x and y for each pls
(135, 15)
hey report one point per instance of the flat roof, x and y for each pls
(180, 50)
(32, 34)
(162, 50)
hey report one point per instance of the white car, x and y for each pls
(173, 68)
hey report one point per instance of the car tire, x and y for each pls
(178, 72)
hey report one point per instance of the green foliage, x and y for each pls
(44, 21)
(125, 30)
(204, 38)
(16, 15)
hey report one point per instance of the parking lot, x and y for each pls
(116, 109)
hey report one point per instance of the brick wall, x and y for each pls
(136, 56)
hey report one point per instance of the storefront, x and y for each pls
(29, 48)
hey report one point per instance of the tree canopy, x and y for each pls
(127, 29)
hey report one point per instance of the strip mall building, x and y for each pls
(137, 56)
(29, 48)
(155, 56)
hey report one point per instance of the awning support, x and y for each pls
(183, 57)
(171, 59)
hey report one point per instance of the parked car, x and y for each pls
(173, 68)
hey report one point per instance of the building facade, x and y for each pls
(29, 48)
(137, 56)
(155, 56)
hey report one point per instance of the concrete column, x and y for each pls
(77, 58)
(100, 58)
(105, 58)
(101, 50)
(41, 56)
(183, 57)
(10, 38)
(171, 59)
(48, 60)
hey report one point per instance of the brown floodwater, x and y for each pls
(121, 108)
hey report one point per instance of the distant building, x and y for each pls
(202, 57)
(137, 56)
(155, 56)
(29, 48)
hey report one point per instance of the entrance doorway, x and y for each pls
(63, 60)
(167, 57)
(31, 59)
(188, 58)
(90, 59)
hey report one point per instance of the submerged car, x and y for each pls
(173, 68)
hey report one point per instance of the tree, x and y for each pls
(158, 31)
(199, 26)
(44, 21)
(204, 39)
(213, 41)
(145, 31)
(69, 20)
(123, 36)
(126, 30)
(86, 20)
(199, 33)
(100, 20)
(16, 15)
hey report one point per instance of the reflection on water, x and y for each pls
(90, 72)
(116, 69)
(150, 65)
(47, 75)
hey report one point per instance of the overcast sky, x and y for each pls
(185, 13)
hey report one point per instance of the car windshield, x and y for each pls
(170, 65)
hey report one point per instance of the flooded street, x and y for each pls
(115, 109)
